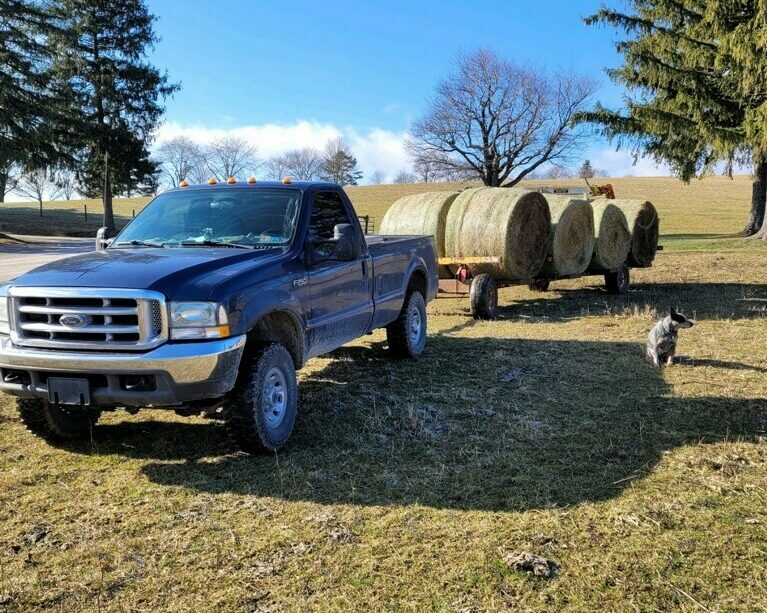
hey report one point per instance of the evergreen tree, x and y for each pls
(339, 165)
(30, 108)
(101, 54)
(685, 104)
(586, 171)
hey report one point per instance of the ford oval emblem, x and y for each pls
(74, 321)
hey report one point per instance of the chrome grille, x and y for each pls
(80, 318)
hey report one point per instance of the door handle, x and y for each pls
(364, 268)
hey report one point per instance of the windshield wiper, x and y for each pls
(139, 244)
(210, 243)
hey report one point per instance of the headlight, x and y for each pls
(196, 320)
(5, 327)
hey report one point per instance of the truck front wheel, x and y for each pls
(55, 422)
(262, 409)
(406, 335)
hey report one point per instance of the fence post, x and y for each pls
(85, 206)
(134, 212)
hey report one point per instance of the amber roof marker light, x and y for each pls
(251, 180)
(287, 181)
(231, 180)
(212, 181)
(184, 183)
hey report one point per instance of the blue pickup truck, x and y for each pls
(208, 302)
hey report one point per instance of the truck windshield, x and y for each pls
(216, 217)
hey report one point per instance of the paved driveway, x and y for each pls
(18, 258)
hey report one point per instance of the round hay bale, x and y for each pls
(421, 214)
(644, 226)
(509, 223)
(571, 243)
(612, 237)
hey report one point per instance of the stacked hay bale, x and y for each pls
(571, 242)
(421, 214)
(612, 237)
(644, 227)
(492, 221)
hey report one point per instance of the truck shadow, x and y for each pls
(478, 423)
(698, 300)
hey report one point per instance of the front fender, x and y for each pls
(247, 309)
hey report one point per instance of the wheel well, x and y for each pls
(418, 282)
(280, 327)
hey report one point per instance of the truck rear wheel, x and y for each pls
(55, 422)
(262, 409)
(407, 334)
(483, 297)
(618, 282)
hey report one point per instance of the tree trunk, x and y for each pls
(758, 198)
(3, 185)
(109, 217)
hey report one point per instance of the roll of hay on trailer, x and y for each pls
(644, 226)
(421, 214)
(508, 223)
(571, 242)
(612, 237)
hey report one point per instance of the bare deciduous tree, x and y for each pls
(65, 181)
(501, 119)
(178, 159)
(276, 167)
(231, 156)
(303, 164)
(405, 176)
(35, 184)
(557, 171)
(378, 177)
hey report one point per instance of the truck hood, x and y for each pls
(179, 273)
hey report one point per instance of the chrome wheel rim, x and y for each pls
(274, 398)
(415, 324)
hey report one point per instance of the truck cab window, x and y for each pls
(327, 212)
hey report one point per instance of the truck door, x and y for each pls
(340, 293)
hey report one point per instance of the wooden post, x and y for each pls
(85, 206)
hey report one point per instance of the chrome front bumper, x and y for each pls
(182, 372)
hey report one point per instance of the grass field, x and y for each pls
(407, 483)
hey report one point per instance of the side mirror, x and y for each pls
(347, 243)
(103, 238)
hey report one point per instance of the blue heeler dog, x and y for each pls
(661, 343)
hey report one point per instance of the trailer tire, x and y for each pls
(618, 282)
(261, 411)
(483, 297)
(539, 285)
(55, 422)
(406, 335)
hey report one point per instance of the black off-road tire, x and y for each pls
(539, 285)
(261, 411)
(406, 335)
(483, 297)
(618, 282)
(55, 422)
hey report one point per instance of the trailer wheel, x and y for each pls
(618, 282)
(483, 297)
(261, 411)
(539, 285)
(55, 422)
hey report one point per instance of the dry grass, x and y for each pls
(408, 483)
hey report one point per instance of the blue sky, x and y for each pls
(294, 75)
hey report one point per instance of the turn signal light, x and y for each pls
(287, 181)
(231, 180)
(212, 181)
(184, 183)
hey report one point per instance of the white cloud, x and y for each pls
(375, 148)
(621, 164)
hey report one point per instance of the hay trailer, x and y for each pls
(482, 289)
